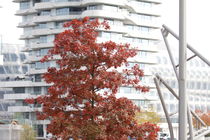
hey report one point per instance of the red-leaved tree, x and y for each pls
(81, 102)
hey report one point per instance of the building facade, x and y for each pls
(11, 69)
(198, 84)
(131, 21)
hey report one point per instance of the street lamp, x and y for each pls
(182, 72)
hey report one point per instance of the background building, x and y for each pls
(11, 69)
(198, 87)
(135, 22)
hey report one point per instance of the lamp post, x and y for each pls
(182, 72)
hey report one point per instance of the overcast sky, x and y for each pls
(198, 21)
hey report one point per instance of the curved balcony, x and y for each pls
(34, 58)
(135, 96)
(149, 59)
(52, 5)
(10, 84)
(153, 11)
(19, 0)
(115, 28)
(18, 96)
(103, 14)
(109, 2)
(26, 36)
(147, 47)
(50, 18)
(38, 32)
(145, 35)
(35, 46)
(150, 23)
(154, 1)
(25, 12)
(25, 49)
(35, 71)
(23, 109)
(26, 24)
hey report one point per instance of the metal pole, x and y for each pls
(182, 71)
(190, 122)
(164, 109)
(170, 54)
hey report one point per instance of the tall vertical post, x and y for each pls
(182, 72)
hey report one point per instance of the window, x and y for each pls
(198, 85)
(38, 78)
(94, 7)
(24, 69)
(43, 39)
(62, 11)
(45, 65)
(204, 86)
(37, 90)
(45, 13)
(2, 70)
(22, 57)
(39, 129)
(59, 24)
(26, 115)
(24, 5)
(42, 25)
(145, 29)
(19, 90)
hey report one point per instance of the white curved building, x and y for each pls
(198, 84)
(132, 21)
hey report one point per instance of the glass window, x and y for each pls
(94, 7)
(42, 25)
(37, 90)
(38, 78)
(39, 130)
(22, 57)
(198, 85)
(145, 29)
(62, 11)
(25, 69)
(2, 70)
(45, 13)
(24, 5)
(59, 24)
(19, 90)
(43, 39)
(204, 86)
(26, 115)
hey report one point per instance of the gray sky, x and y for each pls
(198, 21)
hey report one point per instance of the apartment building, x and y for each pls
(11, 69)
(132, 21)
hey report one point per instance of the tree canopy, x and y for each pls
(82, 103)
